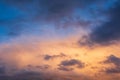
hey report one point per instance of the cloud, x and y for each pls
(41, 67)
(2, 69)
(25, 15)
(113, 70)
(49, 57)
(62, 8)
(63, 68)
(33, 75)
(113, 60)
(51, 10)
(72, 62)
(109, 31)
(22, 76)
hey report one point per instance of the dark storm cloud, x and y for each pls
(109, 31)
(72, 62)
(113, 60)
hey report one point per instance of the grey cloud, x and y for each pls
(63, 68)
(62, 8)
(113, 60)
(2, 70)
(113, 70)
(32, 75)
(23, 76)
(108, 32)
(49, 57)
(43, 67)
(72, 62)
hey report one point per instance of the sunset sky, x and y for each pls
(59, 39)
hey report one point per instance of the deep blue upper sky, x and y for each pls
(21, 17)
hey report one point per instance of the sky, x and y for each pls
(59, 39)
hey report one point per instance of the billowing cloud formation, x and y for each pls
(109, 31)
(114, 60)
